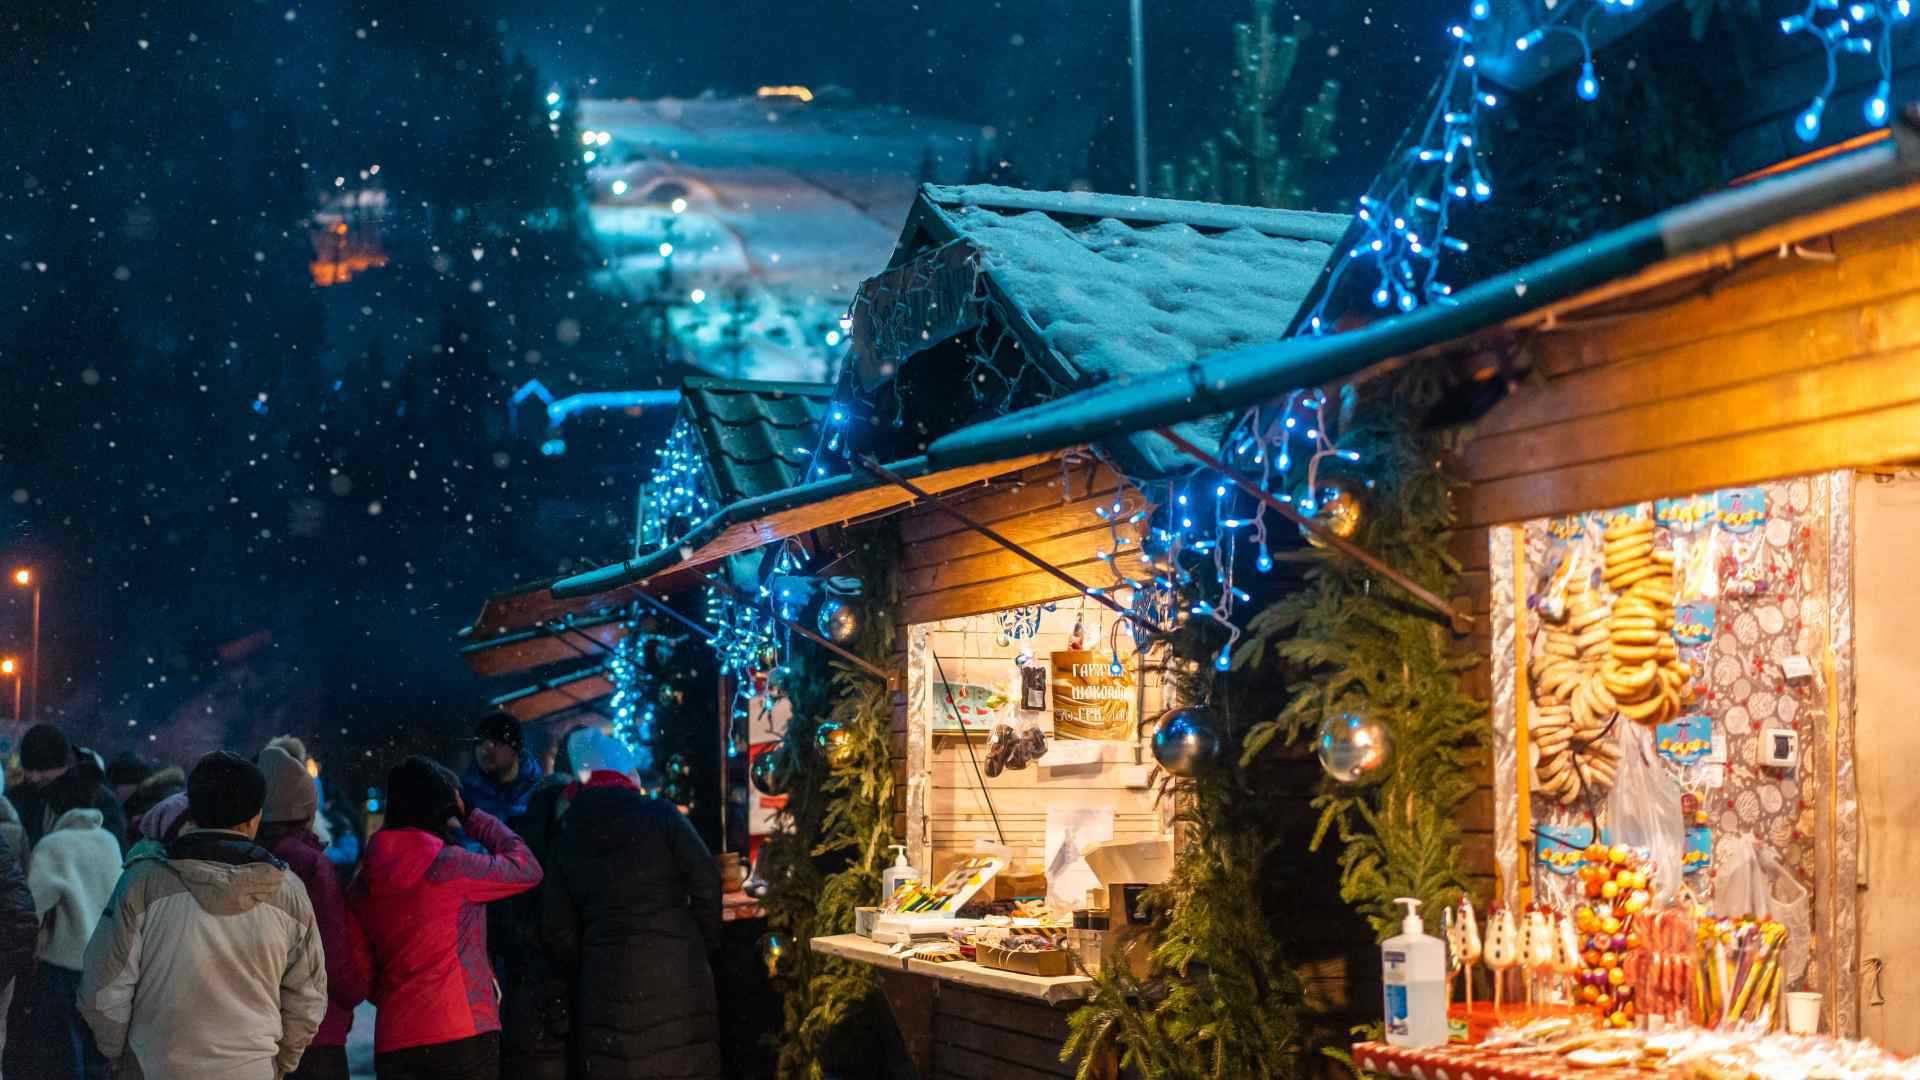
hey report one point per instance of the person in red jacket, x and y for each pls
(419, 928)
(287, 830)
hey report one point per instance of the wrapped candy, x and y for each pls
(1463, 945)
(1566, 954)
(1618, 888)
(1502, 948)
(1537, 948)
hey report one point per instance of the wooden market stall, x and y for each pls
(1736, 379)
(1003, 563)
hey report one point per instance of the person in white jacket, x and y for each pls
(71, 875)
(208, 962)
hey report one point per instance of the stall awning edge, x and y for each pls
(756, 522)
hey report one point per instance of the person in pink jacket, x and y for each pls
(419, 929)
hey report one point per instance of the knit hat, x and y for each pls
(291, 796)
(591, 750)
(43, 748)
(225, 790)
(421, 795)
(162, 821)
(168, 781)
(295, 749)
(501, 728)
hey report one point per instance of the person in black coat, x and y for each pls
(631, 910)
(535, 999)
(19, 929)
(56, 781)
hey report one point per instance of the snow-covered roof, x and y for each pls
(1119, 285)
(1097, 288)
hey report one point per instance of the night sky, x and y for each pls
(262, 505)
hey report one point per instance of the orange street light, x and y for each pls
(11, 667)
(23, 577)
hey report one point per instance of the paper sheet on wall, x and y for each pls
(1070, 831)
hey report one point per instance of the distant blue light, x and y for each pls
(554, 448)
(558, 411)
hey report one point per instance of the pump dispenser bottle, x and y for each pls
(1413, 968)
(892, 876)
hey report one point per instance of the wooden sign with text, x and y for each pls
(1089, 700)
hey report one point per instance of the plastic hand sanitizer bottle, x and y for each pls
(892, 876)
(1413, 967)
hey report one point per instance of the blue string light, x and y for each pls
(675, 496)
(1860, 29)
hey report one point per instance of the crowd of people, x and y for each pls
(226, 921)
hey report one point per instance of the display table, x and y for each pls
(1472, 1063)
(1053, 991)
(964, 1020)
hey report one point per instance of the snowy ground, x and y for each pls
(360, 1042)
(786, 206)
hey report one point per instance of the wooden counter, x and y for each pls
(961, 1021)
(1052, 991)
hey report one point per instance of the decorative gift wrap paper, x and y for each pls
(1757, 591)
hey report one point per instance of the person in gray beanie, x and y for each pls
(288, 832)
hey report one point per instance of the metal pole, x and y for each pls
(1139, 98)
(33, 689)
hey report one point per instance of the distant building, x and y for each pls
(741, 227)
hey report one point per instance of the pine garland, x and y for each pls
(1226, 999)
(1368, 648)
(827, 857)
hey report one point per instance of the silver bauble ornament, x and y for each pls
(1334, 507)
(770, 774)
(835, 744)
(1185, 742)
(773, 947)
(839, 620)
(1353, 748)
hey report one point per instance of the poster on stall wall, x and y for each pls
(1070, 832)
(1091, 701)
(974, 707)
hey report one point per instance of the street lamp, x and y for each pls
(11, 668)
(24, 578)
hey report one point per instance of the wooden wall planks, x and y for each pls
(1790, 368)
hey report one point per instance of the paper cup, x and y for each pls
(1803, 1013)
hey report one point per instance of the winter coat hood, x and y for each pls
(226, 873)
(398, 859)
(71, 874)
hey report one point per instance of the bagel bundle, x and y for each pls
(1568, 715)
(1643, 675)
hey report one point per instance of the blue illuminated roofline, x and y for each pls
(558, 411)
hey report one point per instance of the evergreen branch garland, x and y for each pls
(1369, 649)
(827, 857)
(1225, 1000)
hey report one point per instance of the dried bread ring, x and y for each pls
(1597, 635)
(1629, 655)
(1583, 619)
(1628, 550)
(1639, 573)
(1630, 527)
(1643, 712)
(1635, 635)
(1602, 699)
